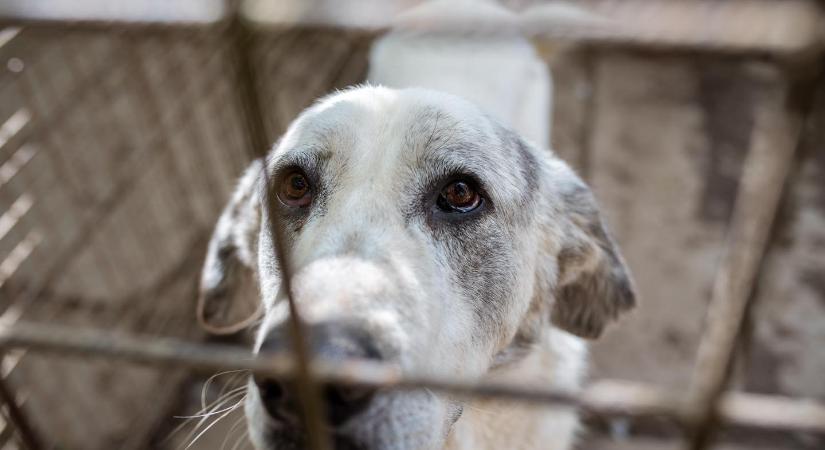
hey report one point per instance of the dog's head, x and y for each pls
(420, 233)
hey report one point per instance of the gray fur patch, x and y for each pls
(596, 286)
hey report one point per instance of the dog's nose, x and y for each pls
(330, 342)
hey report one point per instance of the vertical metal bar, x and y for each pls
(24, 429)
(776, 132)
(309, 392)
(241, 43)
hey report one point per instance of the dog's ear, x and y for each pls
(228, 300)
(593, 285)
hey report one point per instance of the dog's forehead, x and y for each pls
(379, 130)
(378, 112)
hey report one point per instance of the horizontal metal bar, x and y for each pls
(790, 27)
(151, 11)
(56, 26)
(761, 26)
(740, 26)
(604, 398)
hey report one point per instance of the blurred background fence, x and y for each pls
(123, 132)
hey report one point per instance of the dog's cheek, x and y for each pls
(480, 256)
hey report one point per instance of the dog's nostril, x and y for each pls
(271, 390)
(343, 402)
(340, 402)
(347, 394)
(272, 394)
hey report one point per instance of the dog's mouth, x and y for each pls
(369, 420)
(293, 439)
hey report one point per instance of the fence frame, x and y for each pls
(700, 412)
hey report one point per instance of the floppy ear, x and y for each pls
(593, 285)
(228, 300)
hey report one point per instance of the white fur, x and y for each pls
(501, 73)
(407, 300)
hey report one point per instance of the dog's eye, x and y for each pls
(459, 196)
(295, 190)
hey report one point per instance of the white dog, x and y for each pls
(425, 234)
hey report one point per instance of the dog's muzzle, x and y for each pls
(331, 342)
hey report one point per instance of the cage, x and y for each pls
(699, 125)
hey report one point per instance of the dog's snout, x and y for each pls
(331, 343)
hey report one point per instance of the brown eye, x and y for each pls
(295, 190)
(459, 196)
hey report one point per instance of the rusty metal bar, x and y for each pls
(741, 26)
(604, 398)
(241, 38)
(776, 133)
(309, 390)
(736, 26)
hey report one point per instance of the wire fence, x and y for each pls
(36, 131)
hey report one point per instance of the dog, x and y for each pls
(421, 233)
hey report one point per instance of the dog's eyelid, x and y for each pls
(306, 159)
(284, 167)
(448, 174)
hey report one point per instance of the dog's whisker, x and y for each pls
(209, 427)
(201, 413)
(223, 399)
(205, 415)
(223, 393)
(211, 379)
(197, 430)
